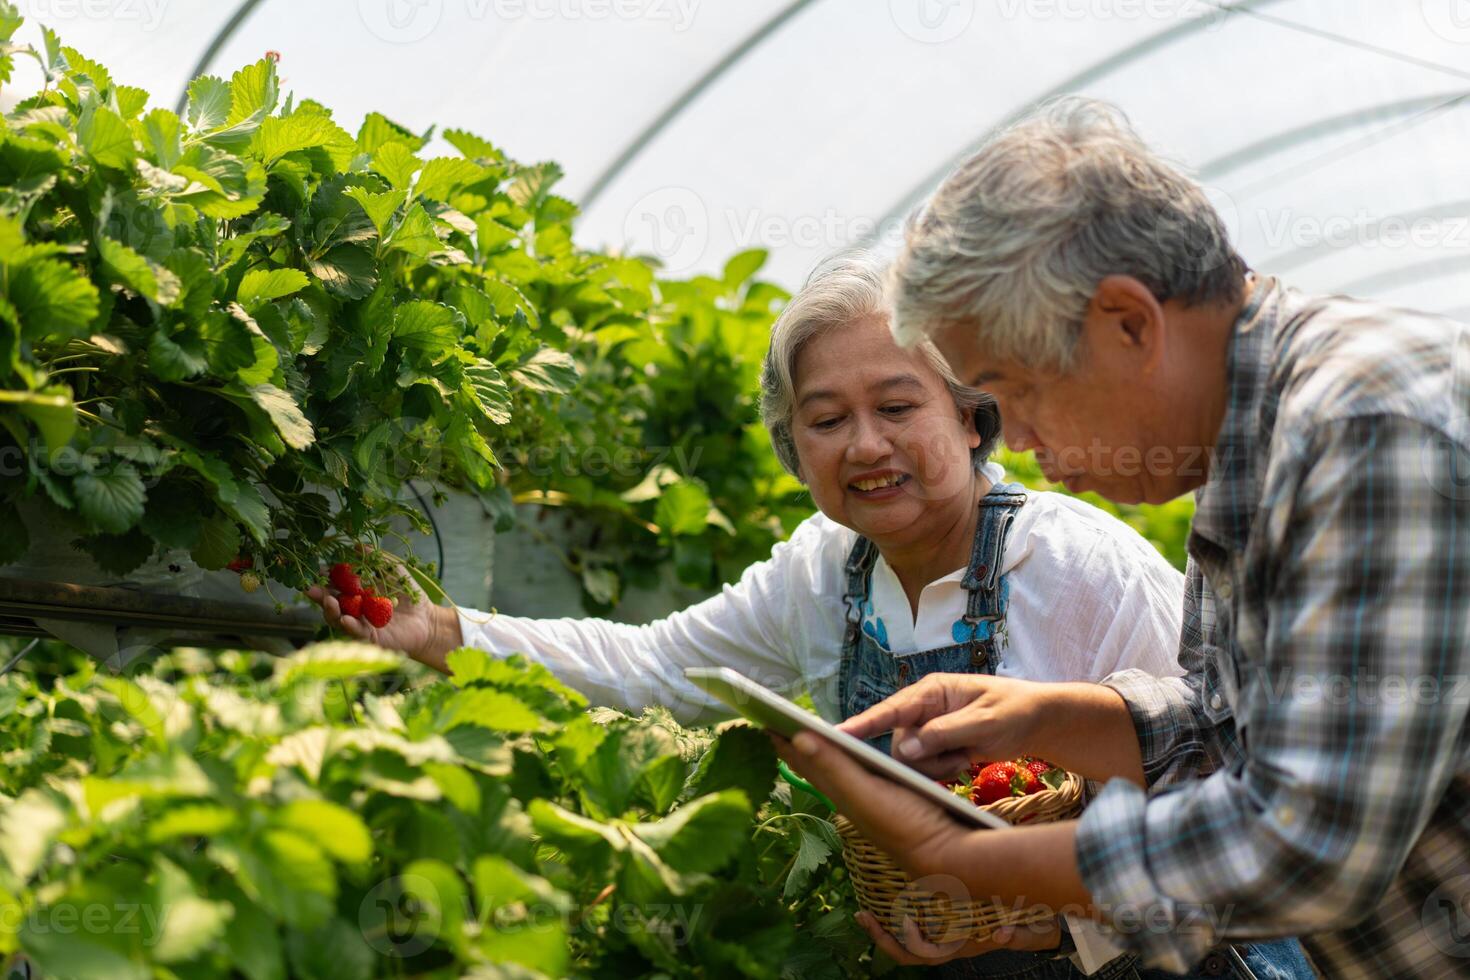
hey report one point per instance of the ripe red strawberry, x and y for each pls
(241, 563)
(1039, 767)
(1027, 781)
(995, 782)
(351, 604)
(378, 610)
(344, 579)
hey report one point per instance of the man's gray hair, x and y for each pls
(842, 291)
(1015, 241)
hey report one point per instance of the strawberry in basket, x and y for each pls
(990, 782)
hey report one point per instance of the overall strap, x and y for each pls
(985, 601)
(859, 571)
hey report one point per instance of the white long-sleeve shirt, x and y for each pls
(1088, 597)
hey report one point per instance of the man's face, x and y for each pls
(1104, 427)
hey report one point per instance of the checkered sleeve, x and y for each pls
(1349, 703)
(1177, 740)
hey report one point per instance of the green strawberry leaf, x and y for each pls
(193, 924)
(278, 136)
(254, 92)
(338, 831)
(742, 758)
(428, 329)
(209, 103)
(396, 164)
(111, 500)
(683, 509)
(219, 543)
(127, 268)
(106, 138)
(284, 414)
(415, 234)
(379, 207)
(487, 392)
(701, 835)
(50, 297)
(442, 176)
(227, 343)
(176, 358)
(811, 854)
(264, 285)
(549, 370)
(163, 136)
(346, 270)
(741, 267)
(493, 710)
(335, 950)
(51, 409)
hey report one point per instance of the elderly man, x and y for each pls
(1311, 765)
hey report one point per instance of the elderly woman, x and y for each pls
(921, 560)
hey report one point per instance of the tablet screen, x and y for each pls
(771, 711)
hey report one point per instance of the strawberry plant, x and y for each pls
(706, 492)
(337, 813)
(245, 331)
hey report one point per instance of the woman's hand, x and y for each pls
(915, 950)
(418, 627)
(946, 721)
(1034, 865)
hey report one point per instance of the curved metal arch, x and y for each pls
(1249, 153)
(1088, 75)
(221, 38)
(1340, 153)
(1245, 8)
(686, 98)
(1406, 275)
(1306, 254)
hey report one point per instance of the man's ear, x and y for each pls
(1124, 319)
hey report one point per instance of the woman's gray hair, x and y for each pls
(842, 291)
(1015, 241)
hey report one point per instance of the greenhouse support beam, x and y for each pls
(1071, 85)
(22, 601)
(240, 16)
(671, 112)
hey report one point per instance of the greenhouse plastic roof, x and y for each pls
(1333, 135)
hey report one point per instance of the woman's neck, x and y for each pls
(941, 552)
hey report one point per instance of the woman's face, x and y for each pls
(879, 439)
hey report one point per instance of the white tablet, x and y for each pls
(770, 710)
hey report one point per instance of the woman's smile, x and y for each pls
(878, 485)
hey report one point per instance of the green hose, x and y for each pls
(802, 784)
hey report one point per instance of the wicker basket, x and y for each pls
(941, 908)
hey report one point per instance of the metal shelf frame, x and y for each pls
(201, 622)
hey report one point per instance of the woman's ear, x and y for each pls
(970, 420)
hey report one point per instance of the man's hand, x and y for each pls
(915, 950)
(915, 832)
(946, 721)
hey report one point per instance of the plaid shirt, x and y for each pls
(1326, 642)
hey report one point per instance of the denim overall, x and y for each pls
(869, 673)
